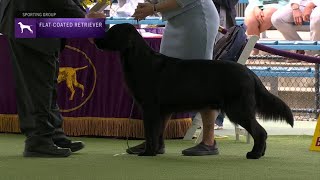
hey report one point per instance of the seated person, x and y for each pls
(289, 17)
(126, 7)
(258, 16)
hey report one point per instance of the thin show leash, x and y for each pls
(130, 118)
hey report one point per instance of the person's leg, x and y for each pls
(56, 119)
(282, 20)
(33, 72)
(267, 12)
(208, 146)
(252, 25)
(315, 24)
(219, 121)
(208, 120)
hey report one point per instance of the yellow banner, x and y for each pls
(315, 146)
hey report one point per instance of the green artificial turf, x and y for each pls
(287, 157)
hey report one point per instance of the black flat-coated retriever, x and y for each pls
(163, 85)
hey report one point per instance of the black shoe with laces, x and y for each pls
(39, 146)
(66, 143)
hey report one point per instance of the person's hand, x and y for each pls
(259, 15)
(308, 10)
(96, 15)
(306, 14)
(297, 16)
(143, 10)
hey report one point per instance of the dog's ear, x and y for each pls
(131, 40)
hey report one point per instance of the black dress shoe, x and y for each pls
(43, 146)
(49, 150)
(138, 149)
(73, 145)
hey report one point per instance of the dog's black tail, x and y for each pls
(270, 106)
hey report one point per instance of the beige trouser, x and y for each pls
(282, 19)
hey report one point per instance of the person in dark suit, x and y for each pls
(35, 66)
(227, 13)
(229, 7)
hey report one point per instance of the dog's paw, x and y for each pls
(253, 155)
(147, 153)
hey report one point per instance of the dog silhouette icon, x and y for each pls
(22, 27)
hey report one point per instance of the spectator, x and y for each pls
(227, 13)
(290, 17)
(126, 7)
(258, 16)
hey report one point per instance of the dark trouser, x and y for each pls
(219, 120)
(36, 91)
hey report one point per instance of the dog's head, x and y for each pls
(19, 23)
(118, 38)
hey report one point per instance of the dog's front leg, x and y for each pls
(163, 125)
(152, 123)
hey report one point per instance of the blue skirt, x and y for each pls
(191, 34)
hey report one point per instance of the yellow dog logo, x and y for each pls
(69, 75)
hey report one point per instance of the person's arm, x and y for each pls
(308, 10)
(167, 6)
(3, 6)
(296, 12)
(172, 4)
(295, 4)
(312, 4)
(146, 9)
(65, 8)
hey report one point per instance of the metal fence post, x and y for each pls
(316, 86)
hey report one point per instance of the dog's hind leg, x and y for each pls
(259, 135)
(246, 118)
(71, 88)
(152, 122)
(76, 84)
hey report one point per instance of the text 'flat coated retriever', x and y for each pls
(163, 85)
